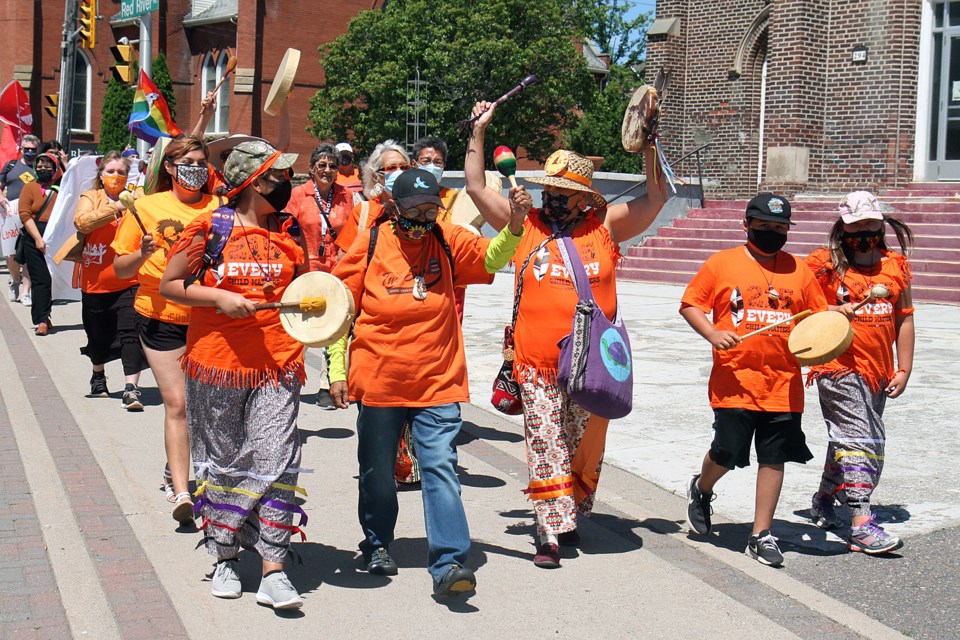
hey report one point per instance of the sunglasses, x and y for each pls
(429, 214)
(326, 166)
(390, 168)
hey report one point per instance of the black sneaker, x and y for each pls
(380, 563)
(763, 548)
(325, 400)
(98, 385)
(698, 508)
(455, 581)
(131, 398)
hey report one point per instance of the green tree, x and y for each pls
(466, 51)
(598, 131)
(117, 103)
(606, 22)
(160, 74)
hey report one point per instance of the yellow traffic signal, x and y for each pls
(53, 99)
(88, 23)
(122, 68)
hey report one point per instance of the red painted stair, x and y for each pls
(931, 209)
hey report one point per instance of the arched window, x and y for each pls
(80, 114)
(214, 66)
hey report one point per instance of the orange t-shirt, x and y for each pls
(875, 324)
(244, 352)
(760, 373)
(303, 205)
(350, 182)
(408, 352)
(165, 217)
(95, 270)
(549, 298)
(351, 226)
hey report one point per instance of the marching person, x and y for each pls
(179, 199)
(565, 443)
(755, 389)
(107, 301)
(243, 372)
(14, 175)
(407, 365)
(853, 388)
(321, 205)
(347, 174)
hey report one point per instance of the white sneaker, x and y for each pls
(277, 592)
(26, 299)
(13, 290)
(226, 580)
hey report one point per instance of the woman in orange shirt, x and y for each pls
(854, 388)
(179, 199)
(243, 372)
(107, 303)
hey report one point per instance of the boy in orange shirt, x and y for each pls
(756, 389)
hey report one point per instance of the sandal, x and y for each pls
(167, 486)
(183, 511)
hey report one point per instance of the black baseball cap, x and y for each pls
(767, 206)
(415, 187)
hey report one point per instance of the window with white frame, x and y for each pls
(214, 66)
(80, 111)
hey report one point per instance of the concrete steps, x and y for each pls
(931, 209)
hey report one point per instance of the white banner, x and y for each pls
(77, 179)
(10, 228)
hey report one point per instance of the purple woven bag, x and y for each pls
(596, 364)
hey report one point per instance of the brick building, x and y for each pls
(194, 35)
(811, 95)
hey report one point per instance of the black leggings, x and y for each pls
(41, 287)
(112, 330)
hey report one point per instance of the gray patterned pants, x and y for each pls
(855, 450)
(244, 442)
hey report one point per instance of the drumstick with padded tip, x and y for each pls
(310, 304)
(231, 65)
(802, 314)
(506, 163)
(129, 201)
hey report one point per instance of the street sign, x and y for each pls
(133, 8)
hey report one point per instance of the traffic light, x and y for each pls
(88, 23)
(122, 68)
(53, 99)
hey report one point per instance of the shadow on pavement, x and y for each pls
(477, 480)
(477, 432)
(329, 433)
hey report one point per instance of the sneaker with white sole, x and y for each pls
(131, 398)
(277, 592)
(870, 538)
(823, 512)
(698, 507)
(226, 580)
(763, 548)
(325, 400)
(26, 299)
(13, 290)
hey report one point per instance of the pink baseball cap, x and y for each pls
(860, 205)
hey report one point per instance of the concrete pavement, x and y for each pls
(113, 565)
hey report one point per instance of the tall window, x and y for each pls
(80, 113)
(214, 66)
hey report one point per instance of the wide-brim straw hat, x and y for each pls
(570, 170)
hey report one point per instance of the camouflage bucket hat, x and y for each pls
(247, 158)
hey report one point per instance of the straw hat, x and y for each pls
(570, 170)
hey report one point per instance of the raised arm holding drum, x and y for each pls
(756, 388)
(853, 269)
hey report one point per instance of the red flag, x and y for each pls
(9, 144)
(15, 109)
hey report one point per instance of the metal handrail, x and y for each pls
(696, 152)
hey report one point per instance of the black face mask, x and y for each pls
(555, 206)
(863, 241)
(346, 160)
(766, 241)
(280, 196)
(45, 175)
(30, 155)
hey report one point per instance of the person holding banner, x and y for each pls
(142, 251)
(243, 371)
(36, 204)
(14, 175)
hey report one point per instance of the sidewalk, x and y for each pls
(110, 563)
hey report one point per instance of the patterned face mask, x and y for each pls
(113, 183)
(191, 177)
(414, 229)
(863, 241)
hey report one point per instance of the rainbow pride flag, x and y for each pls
(150, 118)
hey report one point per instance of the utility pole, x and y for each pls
(146, 63)
(68, 62)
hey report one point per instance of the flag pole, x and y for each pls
(146, 63)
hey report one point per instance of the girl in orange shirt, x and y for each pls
(107, 303)
(243, 372)
(854, 388)
(565, 443)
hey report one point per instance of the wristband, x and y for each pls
(901, 371)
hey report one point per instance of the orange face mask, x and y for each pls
(113, 184)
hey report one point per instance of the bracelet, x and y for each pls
(901, 371)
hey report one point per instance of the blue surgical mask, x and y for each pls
(433, 169)
(390, 179)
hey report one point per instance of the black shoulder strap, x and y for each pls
(438, 233)
(7, 168)
(374, 232)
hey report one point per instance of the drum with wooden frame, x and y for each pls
(642, 116)
(464, 211)
(319, 328)
(282, 82)
(825, 336)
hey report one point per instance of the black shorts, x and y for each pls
(162, 336)
(778, 438)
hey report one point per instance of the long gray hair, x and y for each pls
(375, 163)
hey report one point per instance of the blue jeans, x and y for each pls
(434, 430)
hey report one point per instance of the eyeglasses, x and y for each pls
(326, 166)
(429, 214)
(390, 168)
(437, 162)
